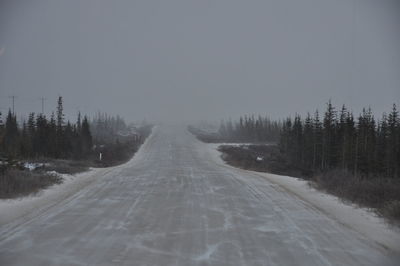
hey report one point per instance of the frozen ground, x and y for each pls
(176, 203)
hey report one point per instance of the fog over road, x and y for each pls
(174, 205)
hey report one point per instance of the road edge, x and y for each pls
(15, 212)
(358, 219)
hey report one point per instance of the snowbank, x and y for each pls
(33, 166)
(238, 144)
(359, 219)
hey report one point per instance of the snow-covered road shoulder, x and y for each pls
(359, 219)
(30, 206)
(12, 209)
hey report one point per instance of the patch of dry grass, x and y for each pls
(17, 183)
(381, 194)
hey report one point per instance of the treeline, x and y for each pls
(251, 129)
(361, 146)
(40, 136)
(115, 140)
(105, 128)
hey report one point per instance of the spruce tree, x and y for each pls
(350, 140)
(342, 137)
(308, 141)
(329, 135)
(25, 142)
(86, 137)
(53, 141)
(60, 138)
(41, 138)
(68, 140)
(297, 135)
(1, 134)
(79, 123)
(11, 136)
(382, 165)
(393, 142)
(318, 142)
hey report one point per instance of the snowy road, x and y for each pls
(174, 205)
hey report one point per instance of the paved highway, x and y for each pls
(174, 205)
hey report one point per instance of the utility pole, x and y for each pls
(42, 99)
(13, 97)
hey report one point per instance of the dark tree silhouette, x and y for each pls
(363, 147)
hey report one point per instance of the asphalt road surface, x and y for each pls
(173, 205)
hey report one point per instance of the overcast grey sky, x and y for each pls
(205, 59)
